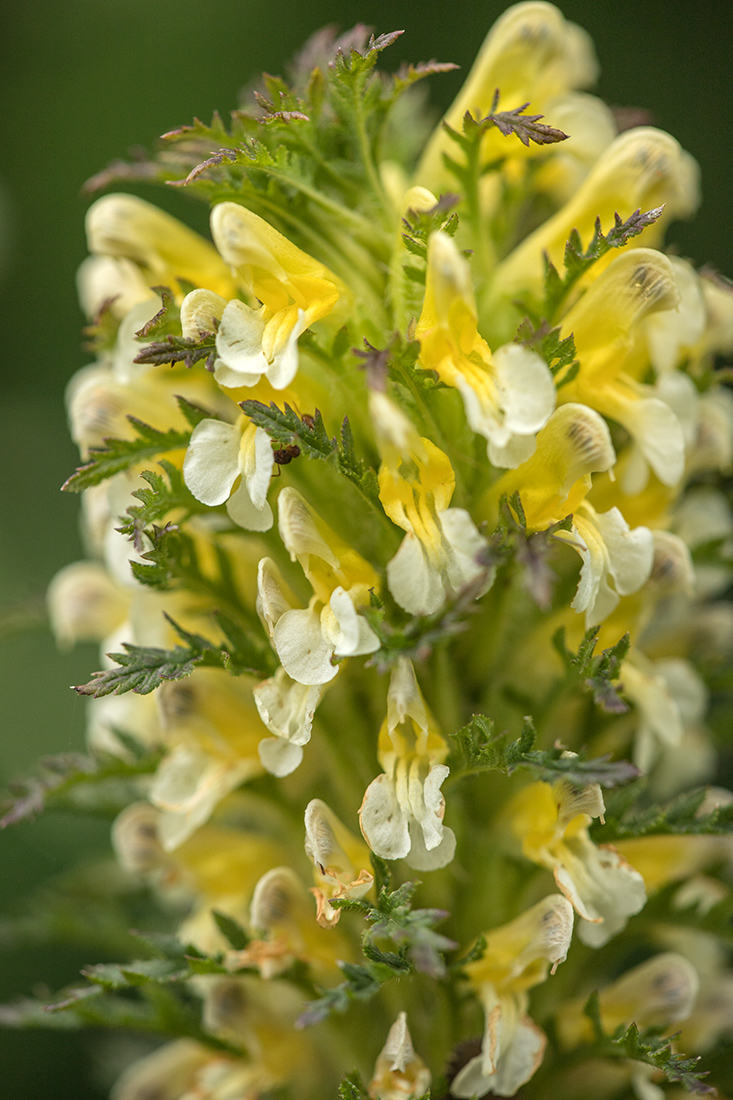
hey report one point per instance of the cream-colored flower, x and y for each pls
(219, 455)
(306, 639)
(399, 1073)
(611, 551)
(294, 290)
(440, 553)
(508, 395)
(401, 816)
(340, 860)
(518, 955)
(552, 824)
(287, 708)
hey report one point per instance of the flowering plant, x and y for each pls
(407, 555)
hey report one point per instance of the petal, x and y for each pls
(273, 600)
(526, 388)
(521, 1060)
(423, 860)
(631, 553)
(304, 652)
(239, 344)
(201, 310)
(187, 787)
(516, 450)
(286, 707)
(382, 822)
(256, 462)
(232, 379)
(284, 367)
(670, 332)
(353, 635)
(246, 514)
(593, 569)
(415, 583)
(467, 545)
(211, 465)
(428, 804)
(658, 434)
(278, 756)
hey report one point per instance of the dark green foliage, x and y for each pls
(485, 750)
(649, 1047)
(595, 674)
(578, 260)
(418, 225)
(511, 543)
(557, 352)
(118, 455)
(309, 433)
(144, 668)
(630, 817)
(231, 930)
(416, 637)
(95, 783)
(180, 349)
(400, 940)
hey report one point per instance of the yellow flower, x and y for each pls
(306, 639)
(281, 918)
(340, 860)
(518, 956)
(166, 250)
(508, 396)
(642, 169)
(441, 551)
(530, 54)
(402, 812)
(399, 1073)
(606, 326)
(213, 729)
(552, 824)
(658, 993)
(294, 289)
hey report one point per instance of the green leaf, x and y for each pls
(484, 750)
(578, 260)
(175, 349)
(231, 930)
(144, 668)
(351, 1088)
(558, 352)
(400, 940)
(156, 503)
(511, 542)
(309, 433)
(681, 817)
(120, 454)
(158, 1008)
(595, 674)
(416, 637)
(648, 1047)
(95, 783)
(165, 320)
(474, 954)
(526, 127)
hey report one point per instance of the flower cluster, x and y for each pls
(419, 434)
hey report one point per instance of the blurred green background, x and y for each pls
(84, 80)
